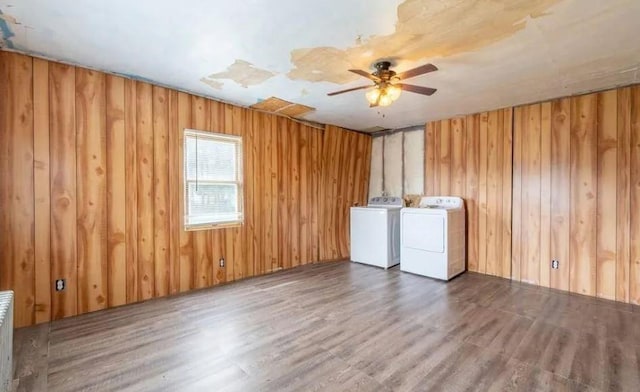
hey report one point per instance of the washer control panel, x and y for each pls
(386, 201)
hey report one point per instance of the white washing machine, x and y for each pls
(375, 232)
(433, 238)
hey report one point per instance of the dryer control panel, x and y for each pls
(445, 202)
(386, 201)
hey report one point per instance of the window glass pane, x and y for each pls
(212, 202)
(210, 159)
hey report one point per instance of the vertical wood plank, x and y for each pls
(516, 231)
(16, 184)
(202, 251)
(266, 226)
(41, 183)
(437, 172)
(175, 190)
(429, 159)
(531, 196)
(494, 192)
(244, 268)
(507, 190)
(255, 136)
(472, 148)
(63, 188)
(187, 259)
(315, 219)
(366, 170)
(283, 196)
(131, 187)
(623, 194)
(560, 191)
(218, 236)
(545, 194)
(116, 191)
(582, 269)
(350, 155)
(304, 178)
(91, 190)
(482, 192)
(634, 251)
(273, 194)
(234, 238)
(161, 224)
(607, 142)
(458, 162)
(445, 157)
(145, 175)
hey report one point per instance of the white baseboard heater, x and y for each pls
(6, 340)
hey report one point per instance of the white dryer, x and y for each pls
(433, 238)
(375, 232)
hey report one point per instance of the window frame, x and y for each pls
(220, 137)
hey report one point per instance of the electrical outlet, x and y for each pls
(60, 284)
(222, 262)
(555, 264)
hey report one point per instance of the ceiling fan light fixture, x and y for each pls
(393, 92)
(372, 95)
(383, 96)
(385, 99)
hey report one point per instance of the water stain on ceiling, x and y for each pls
(425, 28)
(241, 72)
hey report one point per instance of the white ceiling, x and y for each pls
(491, 53)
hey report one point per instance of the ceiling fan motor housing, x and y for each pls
(383, 71)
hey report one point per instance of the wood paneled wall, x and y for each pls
(344, 182)
(470, 157)
(574, 195)
(91, 191)
(577, 193)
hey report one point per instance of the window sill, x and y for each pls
(213, 226)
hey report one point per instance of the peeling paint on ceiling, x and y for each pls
(5, 31)
(425, 29)
(490, 53)
(241, 72)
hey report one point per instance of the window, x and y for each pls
(212, 180)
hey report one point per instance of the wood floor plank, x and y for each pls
(307, 328)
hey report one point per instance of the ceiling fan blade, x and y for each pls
(421, 70)
(365, 74)
(349, 89)
(417, 89)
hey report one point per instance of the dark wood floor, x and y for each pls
(342, 326)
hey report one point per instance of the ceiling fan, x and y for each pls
(387, 86)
